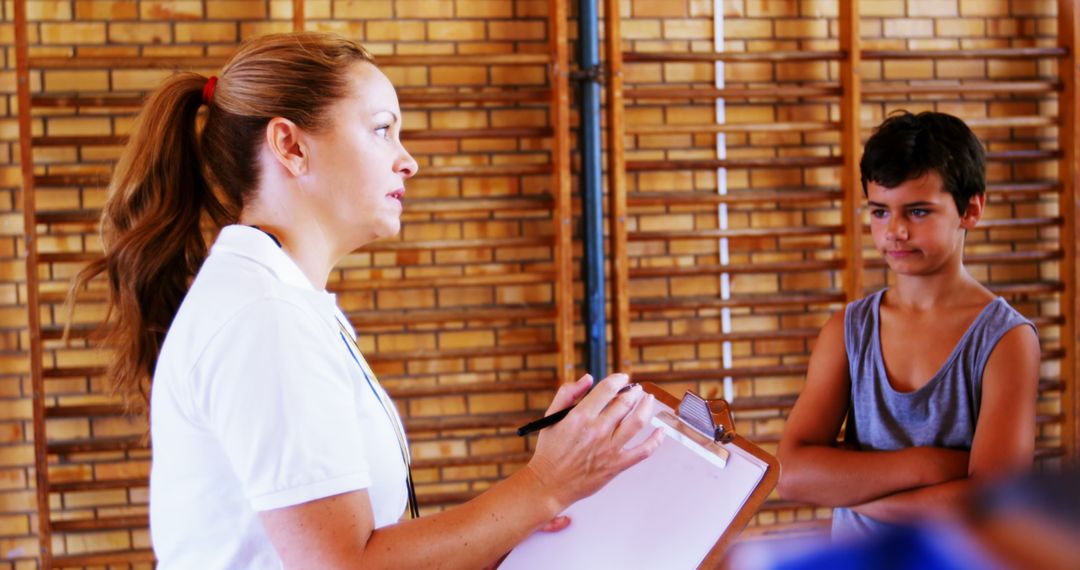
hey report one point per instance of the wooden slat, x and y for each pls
(559, 79)
(485, 170)
(1023, 188)
(132, 522)
(60, 296)
(1022, 155)
(72, 372)
(46, 63)
(984, 53)
(469, 422)
(769, 196)
(787, 334)
(1017, 122)
(789, 127)
(104, 558)
(407, 134)
(69, 256)
(440, 282)
(464, 59)
(851, 148)
(90, 410)
(124, 443)
(406, 96)
(748, 300)
(99, 484)
(617, 191)
(705, 374)
(904, 88)
(81, 100)
(486, 133)
(362, 319)
(298, 15)
(786, 231)
(100, 180)
(737, 268)
(1069, 207)
(68, 216)
(211, 62)
(780, 92)
(472, 352)
(501, 243)
(416, 97)
(81, 140)
(408, 390)
(714, 163)
(781, 56)
(487, 205)
(29, 207)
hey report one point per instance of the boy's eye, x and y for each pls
(919, 212)
(878, 213)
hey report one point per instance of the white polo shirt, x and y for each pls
(257, 404)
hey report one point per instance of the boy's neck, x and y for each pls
(940, 289)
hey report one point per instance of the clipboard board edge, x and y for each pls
(753, 502)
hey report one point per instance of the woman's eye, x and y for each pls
(383, 131)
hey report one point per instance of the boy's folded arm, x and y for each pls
(815, 470)
(1004, 439)
(933, 501)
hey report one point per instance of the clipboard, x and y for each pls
(683, 507)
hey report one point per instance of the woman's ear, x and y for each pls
(974, 211)
(286, 143)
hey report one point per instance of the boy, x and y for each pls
(936, 375)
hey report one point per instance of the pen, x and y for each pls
(548, 421)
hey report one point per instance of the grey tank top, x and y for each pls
(940, 414)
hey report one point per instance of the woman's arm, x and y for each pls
(1004, 440)
(817, 471)
(573, 459)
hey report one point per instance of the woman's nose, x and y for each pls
(407, 165)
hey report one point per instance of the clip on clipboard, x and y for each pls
(683, 507)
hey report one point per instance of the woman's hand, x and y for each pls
(580, 454)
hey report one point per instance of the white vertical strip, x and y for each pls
(721, 188)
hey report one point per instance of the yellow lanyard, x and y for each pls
(399, 430)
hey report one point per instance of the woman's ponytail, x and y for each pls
(152, 232)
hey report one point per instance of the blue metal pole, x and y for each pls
(592, 189)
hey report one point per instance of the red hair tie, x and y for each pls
(208, 89)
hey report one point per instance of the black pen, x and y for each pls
(548, 421)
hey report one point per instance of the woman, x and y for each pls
(273, 443)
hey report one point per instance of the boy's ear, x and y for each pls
(287, 145)
(974, 211)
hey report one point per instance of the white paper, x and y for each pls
(665, 512)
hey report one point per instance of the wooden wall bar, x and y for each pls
(1069, 110)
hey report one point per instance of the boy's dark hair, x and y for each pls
(907, 146)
